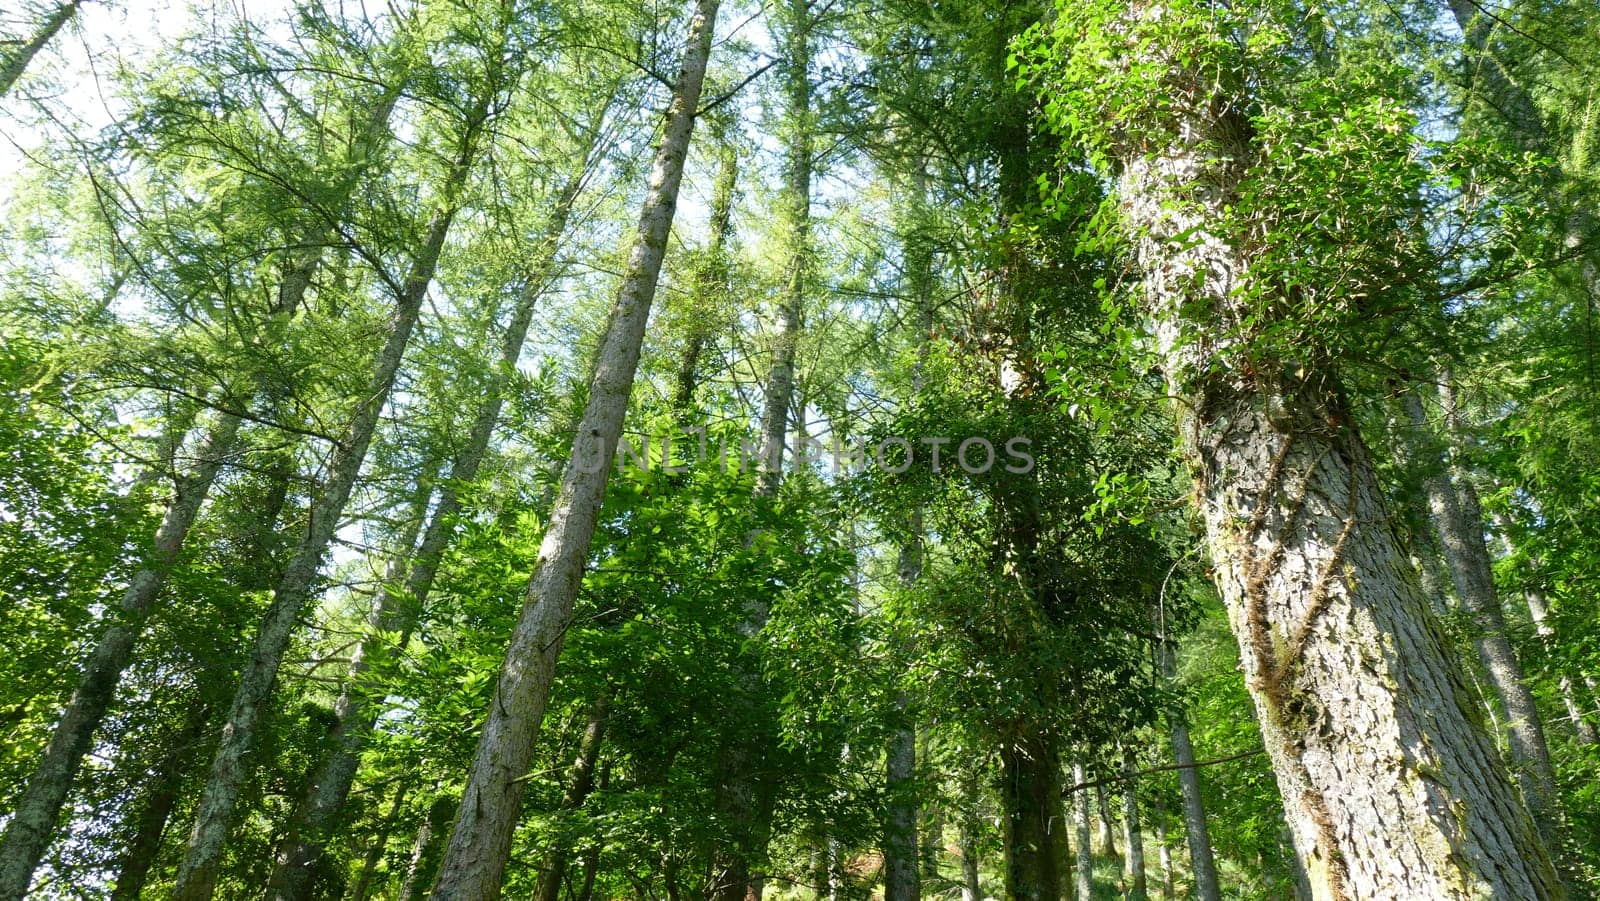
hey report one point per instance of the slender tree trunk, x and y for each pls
(970, 825)
(380, 842)
(198, 874)
(398, 606)
(1107, 844)
(1030, 795)
(1391, 786)
(1081, 817)
(902, 878)
(580, 781)
(480, 842)
(160, 796)
(1202, 862)
(1163, 850)
(711, 279)
(1132, 835)
(424, 860)
(1539, 612)
(1457, 522)
(747, 792)
(18, 62)
(28, 833)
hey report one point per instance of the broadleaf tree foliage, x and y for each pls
(581, 449)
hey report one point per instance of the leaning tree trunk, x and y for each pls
(1202, 862)
(1391, 784)
(1539, 612)
(198, 874)
(160, 796)
(580, 782)
(398, 606)
(475, 860)
(711, 276)
(380, 842)
(1457, 521)
(13, 68)
(28, 833)
(424, 859)
(1030, 790)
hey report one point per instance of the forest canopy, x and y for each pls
(837, 449)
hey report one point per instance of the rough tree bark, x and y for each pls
(398, 606)
(1457, 520)
(198, 874)
(46, 32)
(480, 842)
(1392, 785)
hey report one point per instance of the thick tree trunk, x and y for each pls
(1081, 816)
(398, 606)
(475, 860)
(28, 832)
(160, 796)
(1202, 862)
(1392, 786)
(1457, 522)
(1030, 792)
(46, 32)
(1132, 836)
(198, 874)
(580, 782)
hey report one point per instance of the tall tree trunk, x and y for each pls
(198, 874)
(1084, 888)
(1202, 861)
(1392, 787)
(580, 781)
(1539, 612)
(398, 606)
(1457, 522)
(160, 796)
(28, 833)
(46, 32)
(480, 842)
(970, 825)
(380, 843)
(424, 860)
(711, 278)
(747, 792)
(902, 877)
(1030, 791)
(1132, 835)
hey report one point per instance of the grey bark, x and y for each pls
(1539, 612)
(580, 782)
(1457, 520)
(970, 826)
(902, 877)
(1163, 850)
(1084, 887)
(475, 859)
(1132, 836)
(424, 859)
(1202, 861)
(1392, 786)
(1106, 842)
(28, 833)
(398, 605)
(44, 34)
(198, 874)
